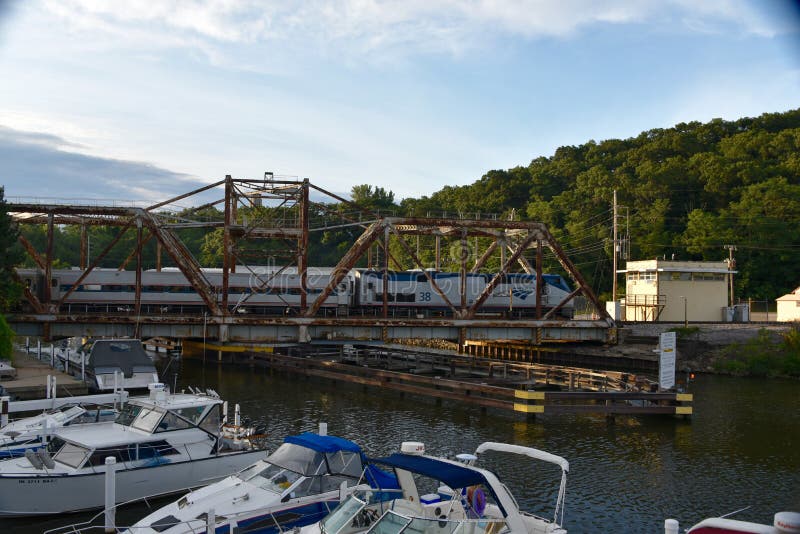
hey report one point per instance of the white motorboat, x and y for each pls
(470, 499)
(298, 484)
(163, 443)
(31, 433)
(111, 364)
(783, 523)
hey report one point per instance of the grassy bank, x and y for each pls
(762, 356)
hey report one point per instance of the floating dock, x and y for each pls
(522, 387)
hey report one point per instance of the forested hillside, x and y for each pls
(684, 191)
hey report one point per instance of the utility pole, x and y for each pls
(614, 252)
(731, 267)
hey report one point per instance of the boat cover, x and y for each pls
(454, 475)
(326, 444)
(126, 354)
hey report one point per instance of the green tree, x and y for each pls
(11, 255)
(373, 198)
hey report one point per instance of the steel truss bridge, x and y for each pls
(289, 220)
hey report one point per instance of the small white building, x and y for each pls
(789, 306)
(676, 291)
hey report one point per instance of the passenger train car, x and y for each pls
(261, 290)
(271, 291)
(515, 294)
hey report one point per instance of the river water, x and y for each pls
(740, 449)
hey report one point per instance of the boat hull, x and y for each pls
(41, 494)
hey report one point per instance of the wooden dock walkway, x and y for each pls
(31, 379)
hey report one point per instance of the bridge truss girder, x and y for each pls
(289, 222)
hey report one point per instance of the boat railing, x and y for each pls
(94, 524)
(12, 449)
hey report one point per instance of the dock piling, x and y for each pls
(110, 494)
(4, 411)
(671, 526)
(211, 521)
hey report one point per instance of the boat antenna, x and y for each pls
(736, 512)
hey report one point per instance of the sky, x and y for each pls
(141, 100)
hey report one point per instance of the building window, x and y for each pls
(705, 277)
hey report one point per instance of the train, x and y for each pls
(276, 291)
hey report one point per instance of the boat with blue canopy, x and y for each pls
(461, 497)
(298, 484)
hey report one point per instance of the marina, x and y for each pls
(627, 475)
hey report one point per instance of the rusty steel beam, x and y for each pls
(29, 296)
(312, 321)
(463, 274)
(523, 261)
(40, 262)
(431, 280)
(95, 263)
(183, 260)
(450, 231)
(302, 255)
(347, 262)
(531, 227)
(181, 197)
(552, 311)
(61, 209)
(48, 262)
(227, 248)
(485, 256)
(265, 233)
(61, 220)
(134, 252)
(496, 278)
(385, 277)
(137, 299)
(576, 275)
(84, 247)
(539, 279)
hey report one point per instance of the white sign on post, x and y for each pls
(666, 368)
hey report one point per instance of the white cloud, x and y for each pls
(363, 27)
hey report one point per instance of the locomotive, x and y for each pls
(276, 291)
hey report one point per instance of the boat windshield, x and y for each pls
(269, 476)
(128, 414)
(309, 462)
(147, 419)
(343, 515)
(71, 455)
